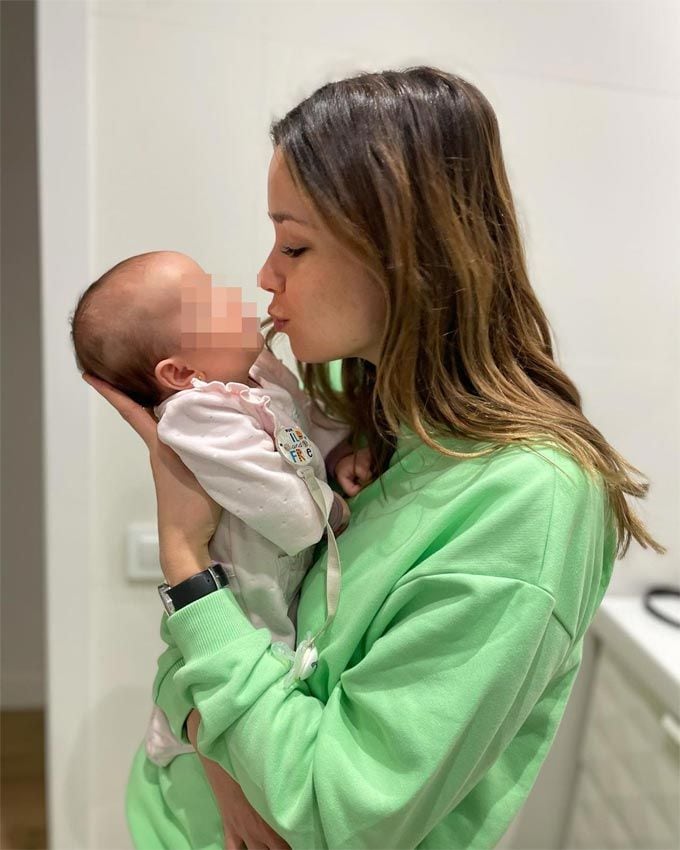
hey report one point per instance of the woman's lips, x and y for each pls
(279, 324)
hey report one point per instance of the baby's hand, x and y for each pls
(353, 472)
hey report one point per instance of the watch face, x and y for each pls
(165, 598)
(219, 575)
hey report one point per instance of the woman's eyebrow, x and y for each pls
(278, 217)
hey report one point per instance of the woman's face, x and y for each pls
(331, 307)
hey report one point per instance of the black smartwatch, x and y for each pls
(195, 587)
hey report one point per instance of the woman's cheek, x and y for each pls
(310, 342)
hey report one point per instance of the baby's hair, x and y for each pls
(110, 332)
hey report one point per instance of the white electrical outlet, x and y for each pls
(143, 555)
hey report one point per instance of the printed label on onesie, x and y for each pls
(294, 446)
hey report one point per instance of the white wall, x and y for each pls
(180, 98)
(70, 556)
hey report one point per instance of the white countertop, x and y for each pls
(645, 643)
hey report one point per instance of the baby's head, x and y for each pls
(153, 322)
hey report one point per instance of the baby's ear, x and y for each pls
(174, 374)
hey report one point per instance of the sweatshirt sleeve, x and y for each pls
(456, 664)
(173, 702)
(236, 462)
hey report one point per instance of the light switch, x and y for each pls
(143, 555)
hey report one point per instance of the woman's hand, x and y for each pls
(241, 823)
(187, 516)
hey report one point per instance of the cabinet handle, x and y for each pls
(672, 727)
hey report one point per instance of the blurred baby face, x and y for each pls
(219, 331)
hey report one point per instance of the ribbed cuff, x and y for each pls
(201, 627)
(338, 518)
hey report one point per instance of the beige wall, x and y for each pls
(179, 103)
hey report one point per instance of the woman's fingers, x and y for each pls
(277, 843)
(232, 841)
(140, 419)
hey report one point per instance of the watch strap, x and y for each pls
(193, 588)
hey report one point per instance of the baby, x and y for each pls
(156, 328)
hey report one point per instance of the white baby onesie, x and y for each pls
(225, 434)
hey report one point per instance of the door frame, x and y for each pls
(64, 150)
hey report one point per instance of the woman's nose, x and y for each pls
(269, 279)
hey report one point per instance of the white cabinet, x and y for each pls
(627, 788)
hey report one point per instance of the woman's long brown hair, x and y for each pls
(406, 168)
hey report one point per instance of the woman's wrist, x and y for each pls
(184, 563)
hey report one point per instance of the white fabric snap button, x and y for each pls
(303, 662)
(308, 662)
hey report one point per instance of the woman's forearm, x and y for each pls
(240, 822)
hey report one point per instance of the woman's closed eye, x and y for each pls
(289, 251)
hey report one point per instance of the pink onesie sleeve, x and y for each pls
(224, 443)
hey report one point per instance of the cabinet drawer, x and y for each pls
(633, 764)
(595, 823)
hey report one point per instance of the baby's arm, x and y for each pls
(235, 461)
(338, 519)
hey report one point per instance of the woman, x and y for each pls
(472, 566)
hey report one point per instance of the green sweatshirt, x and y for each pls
(466, 592)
